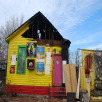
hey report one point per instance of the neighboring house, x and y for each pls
(35, 54)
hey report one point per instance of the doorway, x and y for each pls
(57, 74)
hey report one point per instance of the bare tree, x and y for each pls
(77, 58)
(74, 57)
(71, 57)
(10, 26)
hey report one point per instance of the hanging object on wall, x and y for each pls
(30, 63)
(48, 57)
(88, 60)
(40, 60)
(47, 69)
(12, 69)
(40, 67)
(48, 62)
(40, 52)
(31, 49)
(13, 60)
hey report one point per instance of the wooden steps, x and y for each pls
(58, 92)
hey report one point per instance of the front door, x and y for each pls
(57, 70)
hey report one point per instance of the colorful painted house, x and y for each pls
(91, 73)
(35, 54)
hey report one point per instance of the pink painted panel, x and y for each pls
(57, 70)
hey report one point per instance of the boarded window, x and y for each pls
(21, 59)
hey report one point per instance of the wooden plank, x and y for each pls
(67, 78)
(73, 77)
(70, 77)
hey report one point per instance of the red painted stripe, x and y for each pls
(22, 89)
(35, 90)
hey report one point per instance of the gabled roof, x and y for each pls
(34, 20)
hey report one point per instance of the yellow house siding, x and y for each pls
(18, 32)
(30, 77)
(92, 73)
(82, 78)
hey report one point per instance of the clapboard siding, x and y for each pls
(30, 77)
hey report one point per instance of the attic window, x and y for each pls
(41, 29)
(47, 34)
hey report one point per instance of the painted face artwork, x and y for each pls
(31, 49)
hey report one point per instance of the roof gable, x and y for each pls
(41, 23)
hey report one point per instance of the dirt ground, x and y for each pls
(28, 99)
(33, 99)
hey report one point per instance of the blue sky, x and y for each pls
(80, 21)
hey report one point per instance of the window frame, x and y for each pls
(21, 46)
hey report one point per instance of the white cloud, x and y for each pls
(72, 12)
(11, 8)
(83, 41)
(64, 14)
(98, 46)
(88, 39)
